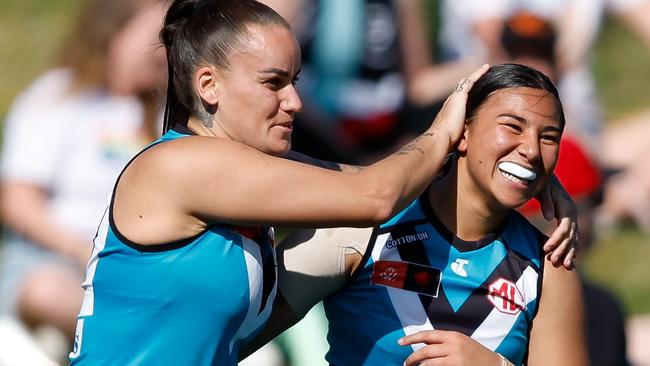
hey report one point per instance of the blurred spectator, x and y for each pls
(605, 317)
(66, 138)
(627, 193)
(472, 25)
(363, 63)
(530, 40)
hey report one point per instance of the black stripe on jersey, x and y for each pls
(540, 280)
(376, 231)
(365, 257)
(268, 270)
(460, 244)
(477, 306)
(415, 253)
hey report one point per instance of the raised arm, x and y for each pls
(207, 179)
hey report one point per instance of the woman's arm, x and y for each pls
(24, 209)
(558, 333)
(427, 82)
(312, 264)
(183, 185)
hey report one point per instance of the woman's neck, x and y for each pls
(199, 128)
(463, 209)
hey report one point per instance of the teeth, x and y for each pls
(512, 178)
(517, 171)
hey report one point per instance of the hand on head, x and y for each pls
(451, 118)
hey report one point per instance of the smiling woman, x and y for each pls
(184, 247)
(458, 277)
(520, 128)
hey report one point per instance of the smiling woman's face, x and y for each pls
(511, 146)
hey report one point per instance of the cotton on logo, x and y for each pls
(505, 297)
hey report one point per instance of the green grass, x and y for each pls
(30, 34)
(619, 262)
(622, 69)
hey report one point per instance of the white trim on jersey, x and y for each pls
(497, 324)
(87, 306)
(255, 269)
(413, 318)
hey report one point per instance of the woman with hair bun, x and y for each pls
(183, 268)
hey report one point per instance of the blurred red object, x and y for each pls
(580, 176)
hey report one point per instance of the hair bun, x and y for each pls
(177, 15)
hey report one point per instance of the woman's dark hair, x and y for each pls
(201, 32)
(510, 76)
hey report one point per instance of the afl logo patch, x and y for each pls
(506, 297)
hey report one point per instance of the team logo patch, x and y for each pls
(407, 276)
(506, 297)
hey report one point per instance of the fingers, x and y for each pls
(430, 352)
(465, 85)
(570, 259)
(451, 118)
(545, 198)
(562, 242)
(427, 337)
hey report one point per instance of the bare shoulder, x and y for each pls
(150, 204)
(557, 335)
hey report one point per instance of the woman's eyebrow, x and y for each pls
(553, 128)
(514, 116)
(277, 71)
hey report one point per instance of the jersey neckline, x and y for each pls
(458, 243)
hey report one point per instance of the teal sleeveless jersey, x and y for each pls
(417, 276)
(191, 302)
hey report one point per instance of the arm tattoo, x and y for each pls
(461, 85)
(413, 145)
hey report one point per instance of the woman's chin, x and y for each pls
(279, 148)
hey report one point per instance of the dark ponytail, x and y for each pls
(177, 15)
(199, 32)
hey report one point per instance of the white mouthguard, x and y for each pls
(517, 170)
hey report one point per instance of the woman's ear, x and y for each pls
(462, 141)
(207, 86)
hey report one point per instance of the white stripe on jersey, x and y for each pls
(99, 242)
(497, 324)
(413, 318)
(255, 269)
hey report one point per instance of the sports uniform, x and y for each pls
(190, 302)
(415, 275)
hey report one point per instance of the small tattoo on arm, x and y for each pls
(413, 145)
(461, 85)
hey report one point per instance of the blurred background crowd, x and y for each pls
(82, 83)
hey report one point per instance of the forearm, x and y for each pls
(404, 175)
(24, 210)
(302, 158)
(637, 19)
(433, 83)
